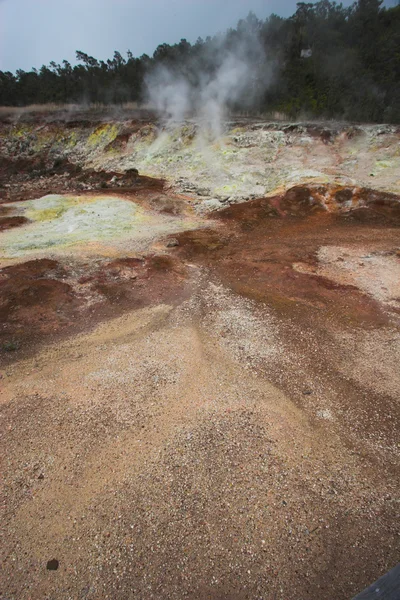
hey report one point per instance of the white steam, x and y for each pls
(169, 94)
(223, 90)
(206, 87)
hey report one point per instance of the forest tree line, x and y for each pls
(325, 61)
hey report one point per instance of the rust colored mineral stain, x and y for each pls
(263, 240)
(41, 299)
(303, 201)
(10, 222)
(264, 249)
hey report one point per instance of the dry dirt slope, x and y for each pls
(154, 458)
(214, 415)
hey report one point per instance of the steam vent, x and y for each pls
(200, 349)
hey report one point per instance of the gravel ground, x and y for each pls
(155, 458)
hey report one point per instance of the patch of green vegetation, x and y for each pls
(10, 346)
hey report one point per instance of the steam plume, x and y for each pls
(212, 82)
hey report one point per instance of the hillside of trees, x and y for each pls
(325, 61)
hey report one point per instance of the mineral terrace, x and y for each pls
(200, 349)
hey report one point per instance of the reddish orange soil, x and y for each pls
(260, 241)
(42, 299)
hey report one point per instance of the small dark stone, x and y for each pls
(133, 173)
(41, 476)
(52, 565)
(344, 195)
(307, 392)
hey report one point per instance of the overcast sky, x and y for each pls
(35, 32)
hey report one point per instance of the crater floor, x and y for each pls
(195, 403)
